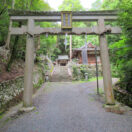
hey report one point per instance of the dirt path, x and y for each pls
(69, 107)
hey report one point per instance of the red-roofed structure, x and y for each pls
(77, 53)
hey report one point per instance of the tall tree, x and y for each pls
(24, 5)
(111, 4)
(10, 25)
(125, 21)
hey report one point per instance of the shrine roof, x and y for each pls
(90, 47)
(63, 57)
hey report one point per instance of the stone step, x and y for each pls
(61, 75)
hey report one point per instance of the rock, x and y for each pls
(114, 109)
(27, 109)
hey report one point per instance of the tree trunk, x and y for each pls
(70, 47)
(38, 43)
(31, 2)
(57, 42)
(13, 4)
(7, 46)
(13, 53)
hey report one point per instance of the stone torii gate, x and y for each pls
(31, 30)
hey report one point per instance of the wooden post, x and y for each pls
(70, 47)
(97, 70)
(105, 65)
(29, 62)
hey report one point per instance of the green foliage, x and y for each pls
(4, 21)
(31, 5)
(38, 85)
(75, 72)
(126, 76)
(121, 47)
(42, 64)
(47, 45)
(19, 4)
(125, 21)
(110, 4)
(80, 71)
(71, 5)
(18, 43)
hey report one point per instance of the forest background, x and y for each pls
(120, 46)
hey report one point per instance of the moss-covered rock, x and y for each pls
(123, 96)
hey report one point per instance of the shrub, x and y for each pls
(80, 70)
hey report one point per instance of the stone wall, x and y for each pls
(123, 96)
(11, 91)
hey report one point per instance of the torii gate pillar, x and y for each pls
(29, 63)
(107, 79)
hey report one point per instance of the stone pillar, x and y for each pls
(29, 62)
(107, 79)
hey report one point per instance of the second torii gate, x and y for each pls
(31, 30)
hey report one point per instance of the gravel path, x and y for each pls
(69, 107)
